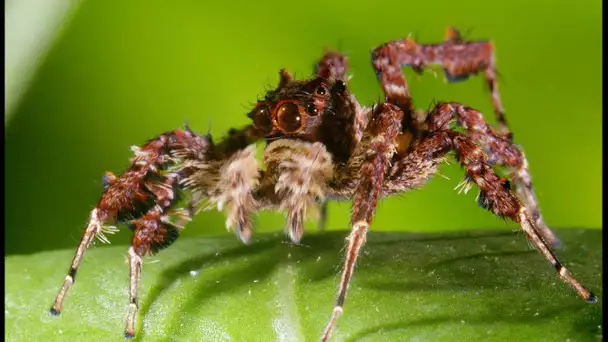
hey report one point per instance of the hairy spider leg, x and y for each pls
(144, 196)
(500, 151)
(421, 162)
(152, 232)
(373, 155)
(333, 66)
(496, 196)
(91, 230)
(124, 197)
(459, 59)
(135, 262)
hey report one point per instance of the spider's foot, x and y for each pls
(55, 312)
(591, 298)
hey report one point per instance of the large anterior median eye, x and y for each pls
(289, 118)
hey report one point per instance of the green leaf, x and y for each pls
(471, 286)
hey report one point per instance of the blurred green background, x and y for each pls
(121, 72)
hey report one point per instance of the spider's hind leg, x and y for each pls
(500, 151)
(496, 196)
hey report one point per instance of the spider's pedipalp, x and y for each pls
(299, 172)
(237, 178)
(228, 184)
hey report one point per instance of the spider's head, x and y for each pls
(310, 110)
(299, 108)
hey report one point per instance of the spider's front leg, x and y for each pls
(142, 196)
(459, 59)
(130, 196)
(372, 157)
(146, 194)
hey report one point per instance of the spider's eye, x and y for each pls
(312, 109)
(340, 87)
(289, 117)
(261, 117)
(321, 90)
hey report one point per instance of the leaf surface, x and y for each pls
(469, 286)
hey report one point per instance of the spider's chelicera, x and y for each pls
(323, 145)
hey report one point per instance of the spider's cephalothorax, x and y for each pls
(321, 145)
(317, 110)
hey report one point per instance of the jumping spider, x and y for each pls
(323, 145)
